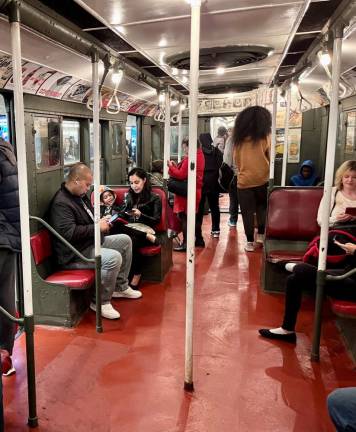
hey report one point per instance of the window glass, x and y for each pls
(4, 125)
(91, 143)
(47, 147)
(71, 142)
(117, 139)
(350, 144)
(174, 137)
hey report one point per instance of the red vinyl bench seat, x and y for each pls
(343, 308)
(280, 256)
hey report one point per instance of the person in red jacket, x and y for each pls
(180, 172)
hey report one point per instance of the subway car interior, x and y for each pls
(119, 85)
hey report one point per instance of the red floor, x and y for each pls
(130, 378)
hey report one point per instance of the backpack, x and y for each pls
(336, 255)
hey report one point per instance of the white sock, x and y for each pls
(280, 330)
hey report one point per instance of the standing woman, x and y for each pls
(252, 140)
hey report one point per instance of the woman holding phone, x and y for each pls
(141, 206)
(343, 201)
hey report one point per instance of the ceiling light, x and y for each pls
(161, 97)
(184, 72)
(117, 74)
(220, 70)
(174, 102)
(324, 57)
(270, 52)
(174, 71)
(182, 106)
(184, 80)
(162, 43)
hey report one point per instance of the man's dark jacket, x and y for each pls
(71, 220)
(10, 234)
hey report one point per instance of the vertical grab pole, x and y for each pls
(273, 137)
(96, 142)
(167, 134)
(286, 138)
(329, 173)
(180, 135)
(14, 18)
(192, 155)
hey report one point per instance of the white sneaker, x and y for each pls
(260, 238)
(290, 266)
(107, 311)
(249, 247)
(128, 293)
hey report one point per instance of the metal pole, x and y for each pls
(167, 134)
(329, 174)
(180, 135)
(286, 138)
(96, 142)
(14, 18)
(191, 207)
(273, 137)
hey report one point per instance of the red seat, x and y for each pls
(150, 250)
(42, 250)
(277, 256)
(75, 279)
(343, 308)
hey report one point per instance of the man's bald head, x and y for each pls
(79, 179)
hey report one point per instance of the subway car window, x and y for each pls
(131, 141)
(47, 146)
(71, 141)
(4, 123)
(350, 145)
(174, 138)
(117, 139)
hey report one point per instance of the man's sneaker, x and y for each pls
(232, 223)
(215, 234)
(6, 364)
(128, 293)
(260, 238)
(290, 266)
(249, 247)
(107, 311)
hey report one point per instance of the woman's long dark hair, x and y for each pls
(145, 195)
(253, 123)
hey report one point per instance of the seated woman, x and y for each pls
(304, 275)
(306, 175)
(140, 206)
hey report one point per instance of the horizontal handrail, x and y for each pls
(341, 277)
(62, 239)
(19, 321)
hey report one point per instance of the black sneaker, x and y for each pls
(289, 337)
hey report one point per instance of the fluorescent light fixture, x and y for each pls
(174, 71)
(184, 79)
(270, 52)
(220, 70)
(162, 43)
(324, 57)
(184, 72)
(117, 75)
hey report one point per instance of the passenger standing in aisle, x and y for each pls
(230, 161)
(213, 160)
(252, 140)
(180, 172)
(10, 244)
(220, 139)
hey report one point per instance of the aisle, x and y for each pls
(130, 378)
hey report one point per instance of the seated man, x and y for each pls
(306, 175)
(72, 216)
(342, 408)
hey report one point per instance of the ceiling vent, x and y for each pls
(228, 88)
(227, 57)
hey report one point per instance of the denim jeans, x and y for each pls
(116, 257)
(342, 409)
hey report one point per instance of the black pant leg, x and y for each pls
(213, 200)
(7, 298)
(199, 218)
(303, 276)
(248, 208)
(234, 203)
(261, 207)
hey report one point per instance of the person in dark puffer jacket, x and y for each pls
(10, 244)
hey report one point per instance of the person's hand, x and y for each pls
(343, 217)
(104, 225)
(349, 248)
(171, 163)
(135, 212)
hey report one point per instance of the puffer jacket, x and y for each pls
(10, 234)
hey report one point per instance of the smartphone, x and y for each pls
(351, 211)
(113, 218)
